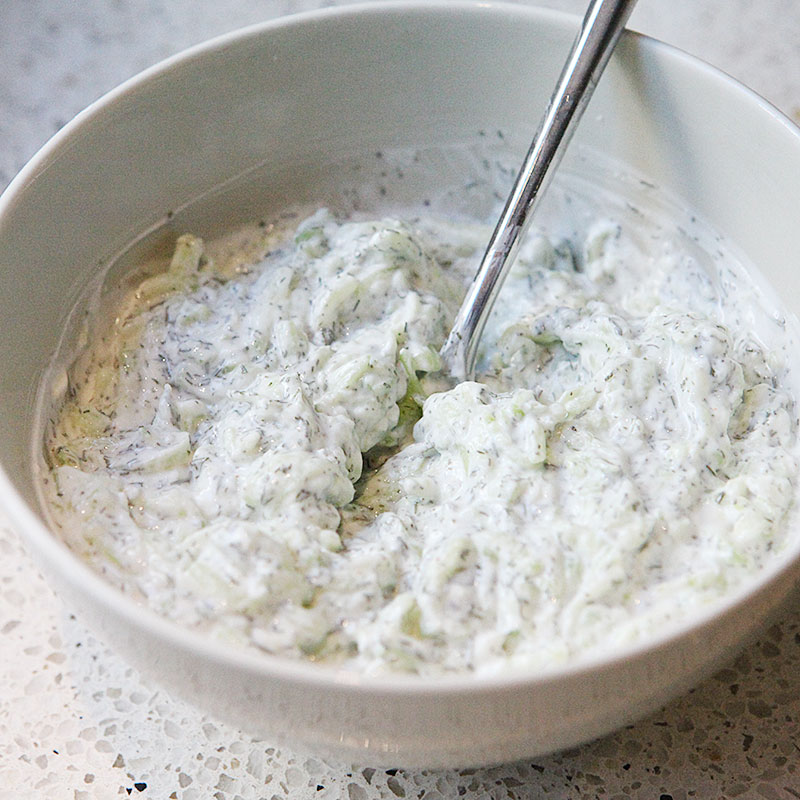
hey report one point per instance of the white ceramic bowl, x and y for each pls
(274, 105)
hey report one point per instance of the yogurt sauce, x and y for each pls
(264, 449)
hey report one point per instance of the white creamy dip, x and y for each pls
(265, 450)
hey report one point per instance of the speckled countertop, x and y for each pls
(77, 722)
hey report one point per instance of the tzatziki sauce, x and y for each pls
(258, 442)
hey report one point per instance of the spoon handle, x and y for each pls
(601, 28)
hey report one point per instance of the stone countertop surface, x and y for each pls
(77, 722)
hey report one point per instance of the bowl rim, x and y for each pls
(47, 545)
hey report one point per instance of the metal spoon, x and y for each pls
(600, 31)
